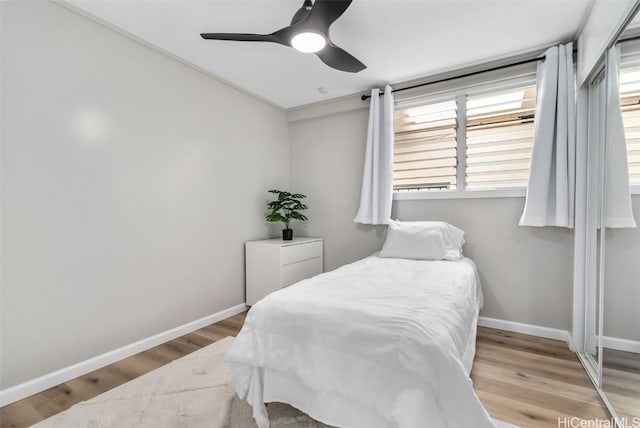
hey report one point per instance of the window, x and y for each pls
(496, 132)
(630, 103)
(424, 154)
(500, 138)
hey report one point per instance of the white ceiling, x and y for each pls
(398, 40)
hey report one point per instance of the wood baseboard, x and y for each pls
(621, 344)
(557, 334)
(530, 329)
(33, 386)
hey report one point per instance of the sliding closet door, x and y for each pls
(612, 284)
(621, 295)
(607, 251)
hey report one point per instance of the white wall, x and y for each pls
(327, 154)
(622, 280)
(526, 272)
(129, 183)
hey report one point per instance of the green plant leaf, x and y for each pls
(286, 207)
(275, 217)
(297, 216)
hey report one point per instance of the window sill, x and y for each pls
(520, 192)
(460, 194)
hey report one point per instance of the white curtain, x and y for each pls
(377, 179)
(551, 188)
(617, 197)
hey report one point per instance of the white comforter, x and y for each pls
(376, 343)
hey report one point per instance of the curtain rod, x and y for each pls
(446, 79)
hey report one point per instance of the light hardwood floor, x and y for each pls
(621, 382)
(532, 382)
(524, 380)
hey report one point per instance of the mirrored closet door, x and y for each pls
(621, 261)
(612, 300)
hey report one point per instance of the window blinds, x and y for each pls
(499, 138)
(496, 133)
(425, 147)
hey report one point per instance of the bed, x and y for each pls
(381, 342)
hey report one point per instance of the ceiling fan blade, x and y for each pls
(340, 59)
(303, 12)
(283, 35)
(239, 37)
(324, 12)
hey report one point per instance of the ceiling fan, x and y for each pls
(308, 32)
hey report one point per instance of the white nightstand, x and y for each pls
(272, 264)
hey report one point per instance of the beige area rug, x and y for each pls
(191, 392)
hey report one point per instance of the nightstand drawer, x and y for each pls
(272, 264)
(298, 271)
(299, 252)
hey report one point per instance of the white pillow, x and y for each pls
(423, 240)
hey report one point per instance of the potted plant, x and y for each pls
(286, 208)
